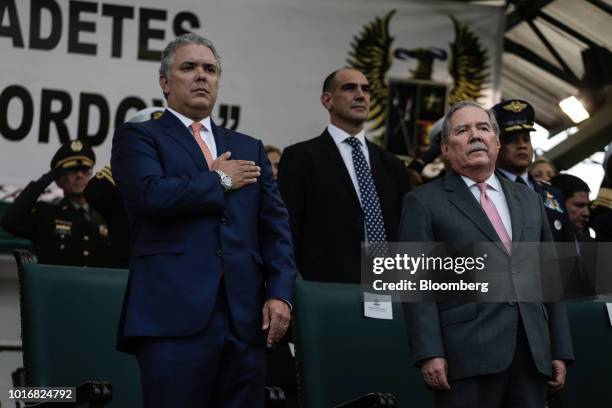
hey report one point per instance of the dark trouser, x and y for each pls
(213, 368)
(520, 386)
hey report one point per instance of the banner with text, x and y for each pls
(77, 69)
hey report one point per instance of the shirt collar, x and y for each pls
(187, 122)
(492, 182)
(340, 135)
(512, 176)
(78, 206)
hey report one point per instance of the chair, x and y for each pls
(69, 321)
(69, 327)
(7, 241)
(346, 358)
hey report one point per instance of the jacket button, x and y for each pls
(62, 246)
(86, 253)
(86, 238)
(219, 253)
(223, 220)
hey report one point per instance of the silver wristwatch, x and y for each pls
(226, 181)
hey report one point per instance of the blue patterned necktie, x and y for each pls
(375, 227)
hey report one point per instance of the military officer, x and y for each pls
(516, 120)
(103, 195)
(69, 232)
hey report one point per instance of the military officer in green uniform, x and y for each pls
(69, 232)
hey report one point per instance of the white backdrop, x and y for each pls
(275, 54)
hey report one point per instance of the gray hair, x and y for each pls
(446, 124)
(165, 68)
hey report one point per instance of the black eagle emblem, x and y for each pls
(371, 53)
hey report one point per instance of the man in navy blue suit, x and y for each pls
(212, 271)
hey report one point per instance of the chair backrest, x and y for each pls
(590, 377)
(342, 355)
(7, 241)
(69, 328)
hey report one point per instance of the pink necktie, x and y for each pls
(195, 128)
(489, 208)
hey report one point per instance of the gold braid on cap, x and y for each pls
(72, 161)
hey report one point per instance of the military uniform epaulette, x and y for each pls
(106, 174)
(604, 198)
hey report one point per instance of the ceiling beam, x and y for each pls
(530, 56)
(602, 5)
(524, 10)
(562, 26)
(593, 136)
(552, 50)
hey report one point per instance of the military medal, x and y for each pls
(552, 203)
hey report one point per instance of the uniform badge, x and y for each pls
(515, 106)
(76, 146)
(103, 230)
(558, 225)
(63, 227)
(552, 203)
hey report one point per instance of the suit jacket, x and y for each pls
(478, 338)
(326, 217)
(186, 232)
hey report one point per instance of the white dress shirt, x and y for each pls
(512, 177)
(496, 194)
(346, 151)
(205, 133)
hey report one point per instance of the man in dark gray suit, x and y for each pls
(478, 354)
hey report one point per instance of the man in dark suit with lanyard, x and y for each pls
(211, 265)
(341, 189)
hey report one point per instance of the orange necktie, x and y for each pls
(195, 128)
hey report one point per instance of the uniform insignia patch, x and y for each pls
(515, 106)
(76, 146)
(552, 203)
(63, 227)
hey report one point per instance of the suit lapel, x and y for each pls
(175, 129)
(513, 198)
(332, 156)
(222, 140)
(462, 198)
(377, 173)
